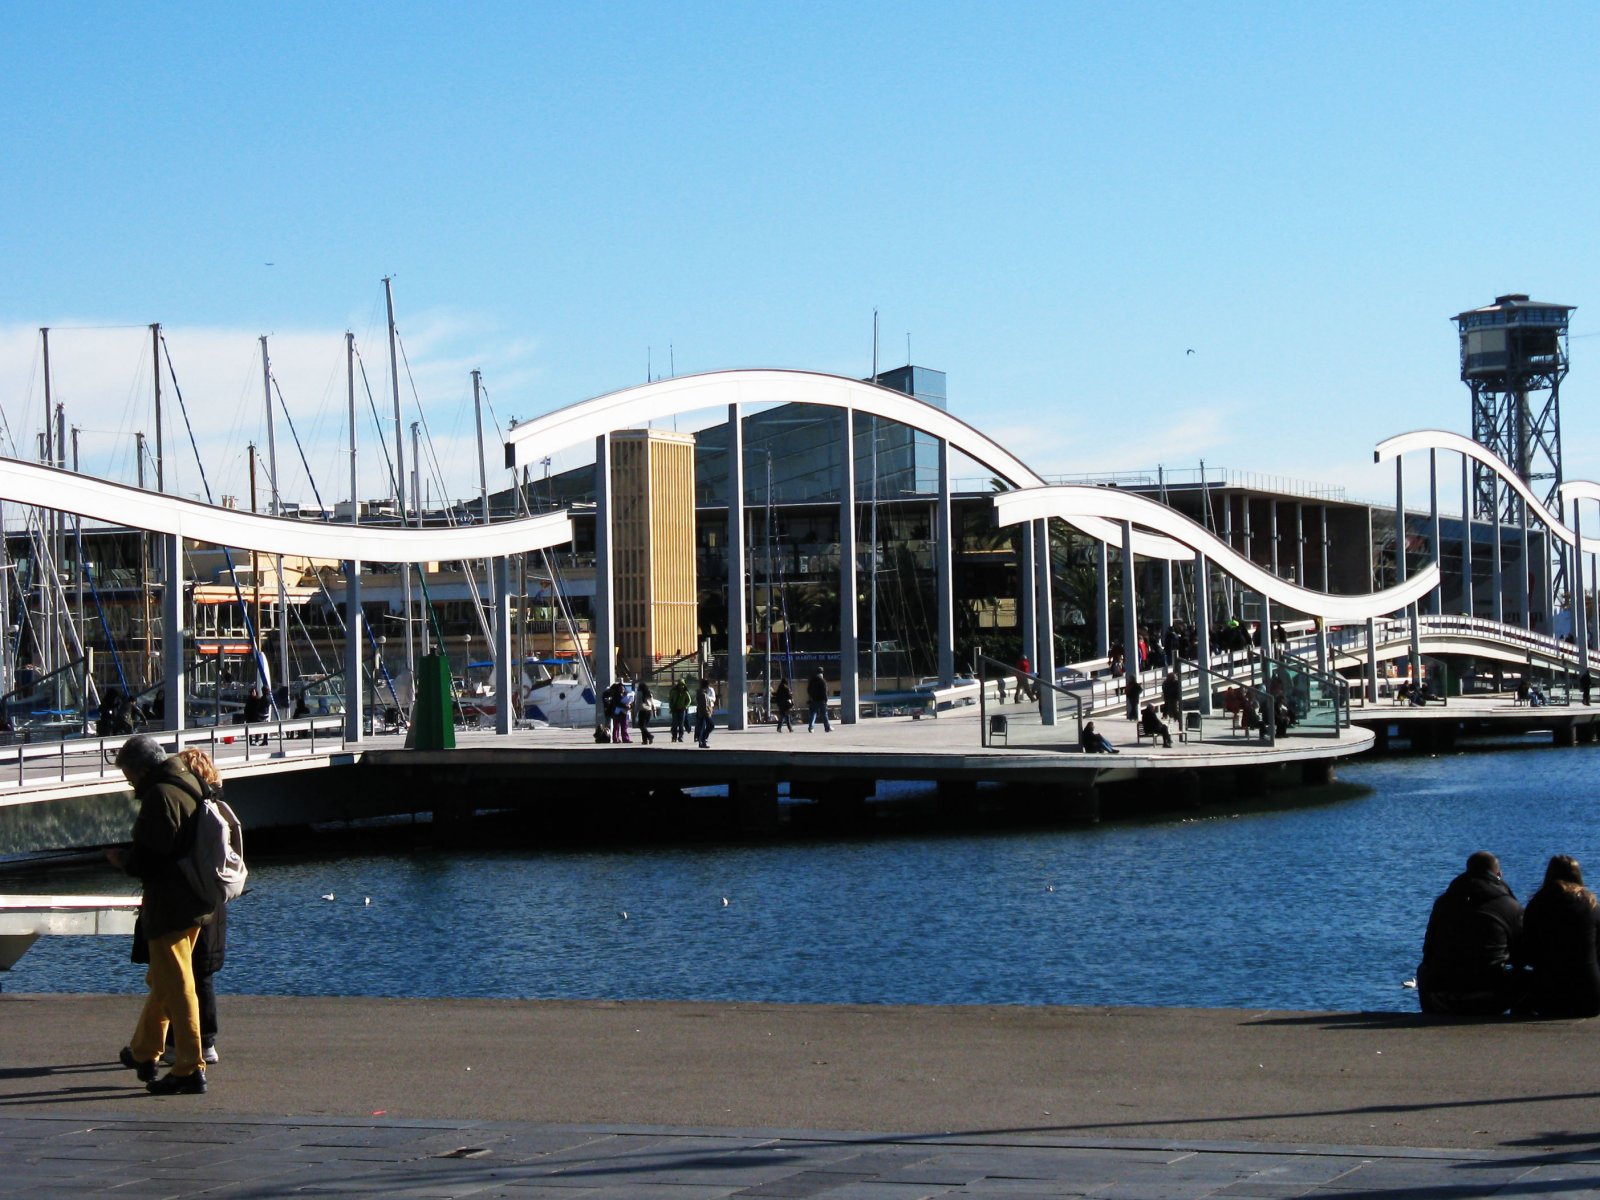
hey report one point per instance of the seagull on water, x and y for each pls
(623, 914)
(724, 902)
(327, 896)
(366, 900)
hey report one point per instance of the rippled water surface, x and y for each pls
(1313, 905)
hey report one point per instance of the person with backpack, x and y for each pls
(678, 706)
(171, 914)
(212, 948)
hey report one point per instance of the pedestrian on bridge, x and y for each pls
(817, 701)
(678, 706)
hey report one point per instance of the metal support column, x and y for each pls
(1524, 580)
(738, 697)
(1045, 658)
(1372, 661)
(1435, 542)
(603, 642)
(1322, 526)
(944, 572)
(1577, 603)
(1497, 572)
(1272, 532)
(1130, 615)
(173, 678)
(1102, 601)
(1028, 586)
(1299, 542)
(355, 640)
(1202, 628)
(1467, 605)
(1165, 567)
(849, 644)
(507, 672)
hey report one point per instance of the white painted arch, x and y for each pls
(1075, 503)
(118, 503)
(1440, 439)
(631, 407)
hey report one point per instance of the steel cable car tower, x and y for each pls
(1512, 351)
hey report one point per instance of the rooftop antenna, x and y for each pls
(908, 347)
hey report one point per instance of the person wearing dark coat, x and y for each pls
(171, 914)
(783, 705)
(1559, 931)
(1171, 697)
(1472, 945)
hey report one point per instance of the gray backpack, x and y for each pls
(214, 866)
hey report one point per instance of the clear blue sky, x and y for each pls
(1055, 201)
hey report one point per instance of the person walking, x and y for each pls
(171, 914)
(783, 705)
(678, 706)
(1171, 697)
(643, 710)
(705, 717)
(211, 950)
(817, 702)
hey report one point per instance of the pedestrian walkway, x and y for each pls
(599, 1099)
(201, 1156)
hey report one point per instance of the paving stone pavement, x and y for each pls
(152, 1157)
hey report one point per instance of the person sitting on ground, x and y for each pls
(1559, 931)
(1091, 742)
(1536, 696)
(1472, 945)
(1151, 723)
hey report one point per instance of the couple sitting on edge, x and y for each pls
(1484, 955)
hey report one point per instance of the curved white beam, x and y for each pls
(1073, 503)
(588, 419)
(1441, 439)
(64, 491)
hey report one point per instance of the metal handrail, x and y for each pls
(980, 661)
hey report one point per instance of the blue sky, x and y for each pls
(1056, 202)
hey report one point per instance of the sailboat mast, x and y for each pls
(872, 521)
(770, 533)
(44, 634)
(147, 670)
(483, 474)
(255, 578)
(350, 386)
(400, 477)
(155, 364)
(426, 616)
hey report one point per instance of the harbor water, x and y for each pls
(1315, 901)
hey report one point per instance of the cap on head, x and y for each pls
(139, 754)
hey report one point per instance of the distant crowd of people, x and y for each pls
(628, 706)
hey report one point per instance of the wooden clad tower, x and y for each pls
(653, 546)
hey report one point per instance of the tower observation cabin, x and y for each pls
(1512, 351)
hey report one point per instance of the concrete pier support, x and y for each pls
(1316, 772)
(755, 803)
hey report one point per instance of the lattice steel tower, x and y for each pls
(1511, 351)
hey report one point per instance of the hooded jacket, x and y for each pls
(162, 834)
(1473, 935)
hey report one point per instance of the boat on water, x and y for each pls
(551, 691)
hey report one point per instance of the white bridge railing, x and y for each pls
(29, 765)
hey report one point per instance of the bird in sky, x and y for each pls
(1188, 351)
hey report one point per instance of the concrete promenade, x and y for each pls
(654, 1100)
